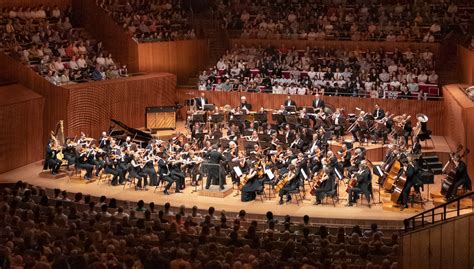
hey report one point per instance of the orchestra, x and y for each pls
(284, 154)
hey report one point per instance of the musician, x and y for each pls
(214, 177)
(318, 103)
(292, 182)
(345, 157)
(127, 143)
(96, 158)
(176, 173)
(327, 184)
(135, 172)
(51, 160)
(192, 167)
(254, 184)
(69, 152)
(82, 162)
(164, 174)
(104, 141)
(84, 140)
(253, 137)
(415, 147)
(338, 119)
(407, 128)
(269, 130)
(274, 141)
(363, 179)
(297, 143)
(422, 125)
(112, 168)
(412, 180)
(331, 160)
(289, 102)
(356, 160)
(149, 169)
(201, 101)
(289, 134)
(378, 113)
(461, 178)
(244, 105)
(359, 129)
(243, 165)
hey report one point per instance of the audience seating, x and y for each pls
(43, 228)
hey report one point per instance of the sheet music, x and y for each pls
(237, 171)
(304, 174)
(269, 174)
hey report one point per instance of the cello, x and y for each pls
(448, 181)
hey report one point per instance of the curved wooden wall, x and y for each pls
(92, 105)
(459, 121)
(184, 58)
(433, 109)
(21, 118)
(301, 44)
(466, 65)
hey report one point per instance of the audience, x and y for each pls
(151, 21)
(44, 39)
(422, 21)
(374, 73)
(73, 234)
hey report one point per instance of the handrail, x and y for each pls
(410, 223)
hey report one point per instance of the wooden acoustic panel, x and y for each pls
(161, 120)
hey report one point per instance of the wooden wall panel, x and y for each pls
(459, 121)
(55, 102)
(433, 109)
(98, 23)
(92, 105)
(184, 58)
(466, 65)
(302, 44)
(450, 245)
(21, 129)
(34, 3)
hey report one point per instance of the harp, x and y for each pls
(58, 134)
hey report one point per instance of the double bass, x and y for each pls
(392, 174)
(450, 170)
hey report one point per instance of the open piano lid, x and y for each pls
(135, 134)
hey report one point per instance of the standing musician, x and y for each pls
(362, 179)
(412, 180)
(290, 181)
(244, 105)
(318, 103)
(201, 101)
(338, 121)
(461, 178)
(253, 181)
(327, 183)
(415, 147)
(378, 113)
(215, 175)
(289, 102)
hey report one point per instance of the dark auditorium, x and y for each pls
(236, 134)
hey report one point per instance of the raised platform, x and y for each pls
(215, 192)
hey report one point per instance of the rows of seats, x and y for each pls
(44, 39)
(375, 73)
(422, 21)
(42, 228)
(151, 21)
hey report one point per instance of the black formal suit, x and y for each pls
(164, 173)
(318, 103)
(200, 102)
(326, 186)
(214, 172)
(461, 178)
(289, 103)
(245, 105)
(378, 114)
(364, 178)
(412, 180)
(112, 167)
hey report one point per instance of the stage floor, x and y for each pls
(327, 213)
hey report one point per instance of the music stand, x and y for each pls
(309, 109)
(261, 117)
(290, 108)
(208, 107)
(189, 102)
(305, 122)
(216, 118)
(238, 118)
(198, 118)
(291, 119)
(264, 137)
(278, 118)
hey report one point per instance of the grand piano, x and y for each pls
(120, 131)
